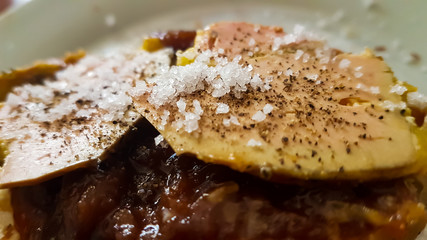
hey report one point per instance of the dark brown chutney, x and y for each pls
(145, 191)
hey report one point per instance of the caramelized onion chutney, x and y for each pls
(145, 191)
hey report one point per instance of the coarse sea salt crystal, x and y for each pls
(158, 139)
(251, 42)
(181, 105)
(299, 34)
(226, 122)
(298, 54)
(361, 86)
(253, 143)
(417, 100)
(312, 76)
(222, 108)
(305, 57)
(191, 122)
(259, 116)
(375, 90)
(358, 68)
(222, 78)
(324, 60)
(289, 72)
(197, 108)
(267, 108)
(250, 68)
(345, 63)
(234, 120)
(393, 106)
(221, 51)
(398, 89)
(358, 74)
(164, 119)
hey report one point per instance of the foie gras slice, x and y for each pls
(284, 106)
(71, 120)
(37, 72)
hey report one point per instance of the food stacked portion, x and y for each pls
(238, 131)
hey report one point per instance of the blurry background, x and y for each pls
(39, 29)
(10, 4)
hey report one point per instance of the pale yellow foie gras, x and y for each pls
(330, 126)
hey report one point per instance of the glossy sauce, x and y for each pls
(146, 192)
(178, 40)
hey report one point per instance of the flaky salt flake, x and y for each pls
(253, 143)
(259, 116)
(345, 63)
(221, 51)
(158, 139)
(222, 108)
(267, 108)
(398, 89)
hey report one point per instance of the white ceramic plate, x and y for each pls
(47, 28)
